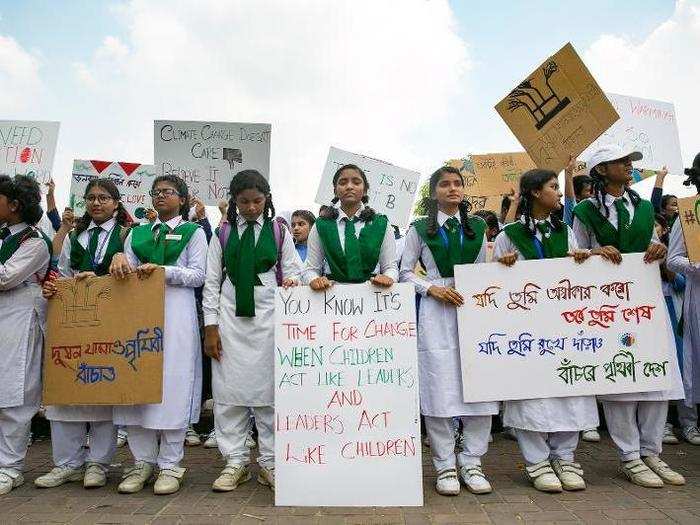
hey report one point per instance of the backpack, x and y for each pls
(279, 229)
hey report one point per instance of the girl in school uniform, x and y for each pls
(157, 431)
(302, 221)
(612, 222)
(548, 429)
(244, 258)
(24, 261)
(86, 252)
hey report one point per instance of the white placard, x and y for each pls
(27, 148)
(208, 154)
(392, 189)
(347, 428)
(648, 126)
(132, 179)
(555, 328)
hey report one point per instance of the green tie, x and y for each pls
(623, 216)
(352, 250)
(245, 273)
(92, 244)
(454, 238)
(544, 228)
(4, 233)
(160, 232)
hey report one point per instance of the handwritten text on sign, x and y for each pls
(346, 397)
(27, 148)
(554, 328)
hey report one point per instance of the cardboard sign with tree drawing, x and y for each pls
(558, 110)
(689, 215)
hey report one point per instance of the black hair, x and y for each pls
(661, 220)
(122, 218)
(665, 199)
(431, 204)
(693, 174)
(599, 192)
(534, 180)
(490, 218)
(305, 215)
(580, 182)
(25, 190)
(331, 212)
(181, 188)
(249, 180)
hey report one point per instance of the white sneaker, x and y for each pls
(211, 440)
(192, 438)
(169, 481)
(230, 478)
(543, 477)
(591, 436)
(135, 478)
(669, 437)
(474, 479)
(95, 476)
(121, 437)
(266, 477)
(691, 435)
(58, 476)
(10, 479)
(570, 474)
(447, 483)
(640, 474)
(250, 441)
(661, 469)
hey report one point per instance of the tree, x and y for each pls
(549, 69)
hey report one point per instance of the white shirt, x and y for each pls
(64, 267)
(28, 264)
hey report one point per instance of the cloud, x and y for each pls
(19, 76)
(362, 75)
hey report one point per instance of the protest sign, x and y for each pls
(347, 429)
(499, 173)
(391, 189)
(104, 341)
(206, 155)
(477, 199)
(554, 328)
(558, 110)
(28, 148)
(689, 215)
(648, 126)
(133, 181)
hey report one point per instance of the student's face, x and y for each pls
(250, 204)
(671, 207)
(549, 197)
(350, 187)
(166, 199)
(585, 192)
(618, 171)
(8, 209)
(491, 234)
(100, 205)
(660, 230)
(449, 190)
(300, 229)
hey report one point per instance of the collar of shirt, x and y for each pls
(173, 223)
(538, 221)
(106, 226)
(342, 215)
(442, 218)
(16, 228)
(242, 221)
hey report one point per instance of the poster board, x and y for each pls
(104, 341)
(558, 110)
(499, 173)
(392, 189)
(554, 328)
(478, 200)
(27, 148)
(206, 155)
(132, 179)
(689, 215)
(346, 397)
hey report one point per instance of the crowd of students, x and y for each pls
(224, 282)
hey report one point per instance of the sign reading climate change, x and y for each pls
(554, 328)
(206, 155)
(28, 148)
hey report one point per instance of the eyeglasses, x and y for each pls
(166, 192)
(98, 198)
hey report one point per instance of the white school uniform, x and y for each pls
(244, 377)
(439, 365)
(22, 321)
(182, 360)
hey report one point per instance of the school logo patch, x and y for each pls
(627, 340)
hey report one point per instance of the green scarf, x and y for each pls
(554, 246)
(12, 243)
(81, 258)
(366, 252)
(244, 260)
(152, 246)
(633, 239)
(446, 257)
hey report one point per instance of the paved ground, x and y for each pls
(608, 499)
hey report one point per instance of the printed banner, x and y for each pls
(28, 148)
(347, 428)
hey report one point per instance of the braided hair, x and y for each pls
(531, 181)
(598, 187)
(25, 190)
(331, 212)
(693, 174)
(249, 180)
(181, 188)
(431, 203)
(122, 217)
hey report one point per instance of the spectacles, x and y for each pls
(98, 198)
(166, 192)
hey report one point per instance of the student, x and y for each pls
(547, 430)
(239, 306)
(616, 221)
(87, 252)
(448, 236)
(157, 431)
(349, 238)
(24, 261)
(302, 221)
(492, 226)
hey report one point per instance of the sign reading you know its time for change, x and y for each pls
(206, 155)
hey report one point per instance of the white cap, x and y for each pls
(611, 152)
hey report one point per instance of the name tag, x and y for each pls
(173, 237)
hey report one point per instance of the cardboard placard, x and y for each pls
(206, 155)
(689, 215)
(28, 148)
(558, 110)
(479, 201)
(133, 181)
(485, 202)
(554, 328)
(104, 341)
(499, 173)
(347, 419)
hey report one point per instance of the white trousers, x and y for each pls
(636, 427)
(15, 425)
(164, 447)
(537, 447)
(687, 416)
(232, 422)
(475, 433)
(68, 440)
